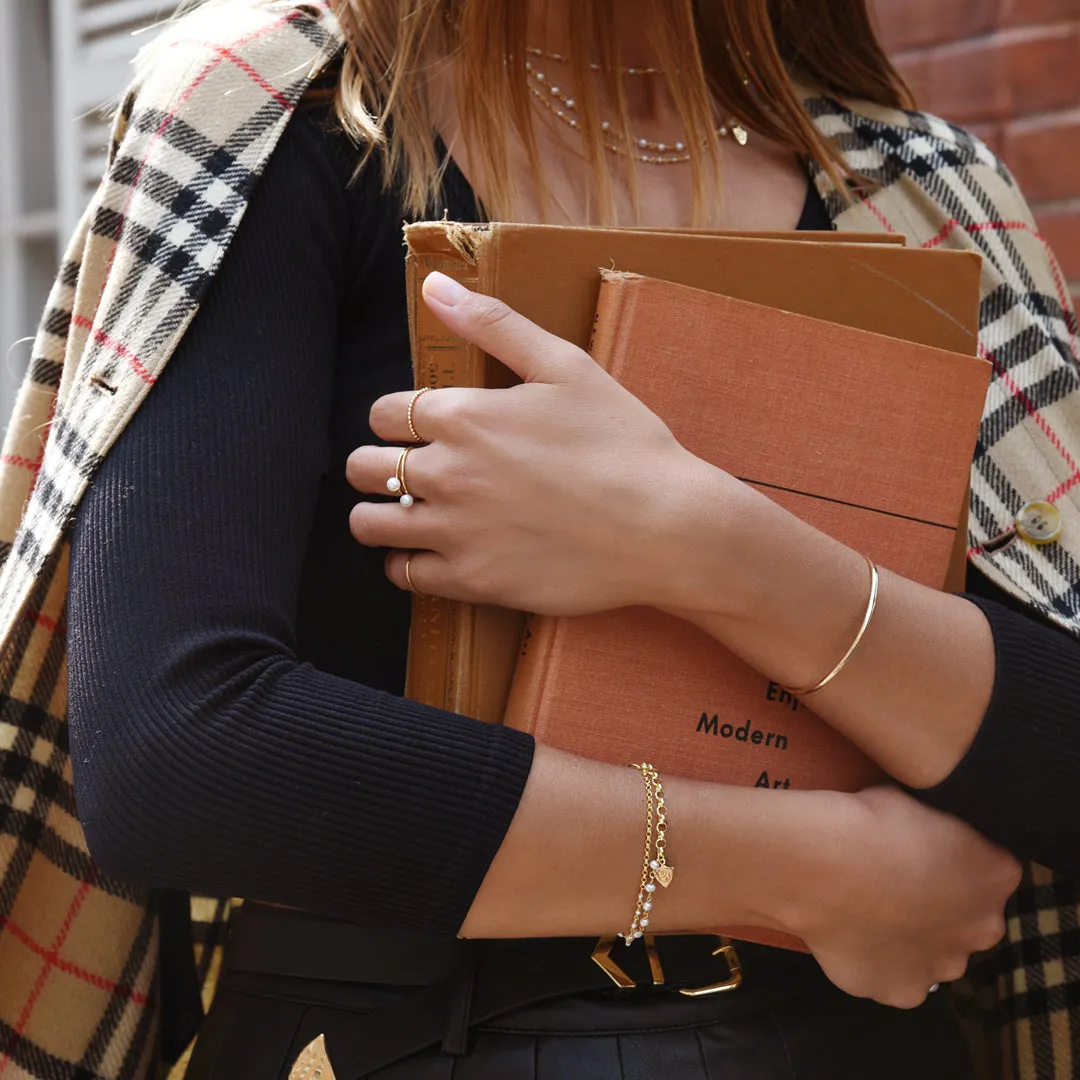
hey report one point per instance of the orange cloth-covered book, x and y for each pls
(866, 437)
(462, 656)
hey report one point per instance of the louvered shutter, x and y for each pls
(93, 45)
(28, 221)
(60, 62)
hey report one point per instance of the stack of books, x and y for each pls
(835, 373)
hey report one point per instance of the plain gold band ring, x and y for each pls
(411, 416)
(408, 574)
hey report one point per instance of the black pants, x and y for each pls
(786, 1022)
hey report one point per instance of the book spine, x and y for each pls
(614, 310)
(441, 358)
(441, 630)
(527, 688)
(461, 656)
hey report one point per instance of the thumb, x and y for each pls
(527, 349)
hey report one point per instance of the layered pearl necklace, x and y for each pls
(563, 108)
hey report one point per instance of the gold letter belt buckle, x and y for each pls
(602, 958)
(734, 979)
(313, 1064)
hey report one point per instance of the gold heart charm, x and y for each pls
(664, 874)
(313, 1064)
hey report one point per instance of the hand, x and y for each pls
(911, 894)
(555, 496)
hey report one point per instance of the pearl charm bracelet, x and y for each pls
(654, 869)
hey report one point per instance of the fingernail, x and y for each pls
(445, 289)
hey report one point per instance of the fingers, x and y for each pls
(902, 989)
(988, 933)
(369, 468)
(525, 348)
(391, 525)
(435, 414)
(422, 572)
(420, 527)
(948, 973)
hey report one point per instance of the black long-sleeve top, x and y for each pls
(236, 658)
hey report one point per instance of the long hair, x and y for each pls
(745, 54)
(748, 56)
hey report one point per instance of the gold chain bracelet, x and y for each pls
(654, 868)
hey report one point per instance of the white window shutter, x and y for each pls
(28, 220)
(93, 44)
(60, 62)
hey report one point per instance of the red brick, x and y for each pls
(1026, 12)
(1044, 71)
(1062, 231)
(1010, 70)
(1045, 156)
(906, 24)
(1018, 73)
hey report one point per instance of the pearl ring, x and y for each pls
(397, 484)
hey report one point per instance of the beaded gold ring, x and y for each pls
(417, 437)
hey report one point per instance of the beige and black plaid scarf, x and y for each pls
(78, 950)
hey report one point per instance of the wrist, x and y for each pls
(758, 859)
(692, 553)
(809, 836)
(778, 592)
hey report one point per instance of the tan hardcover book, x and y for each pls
(867, 438)
(461, 656)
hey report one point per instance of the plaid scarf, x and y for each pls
(78, 950)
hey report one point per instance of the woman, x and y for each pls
(253, 744)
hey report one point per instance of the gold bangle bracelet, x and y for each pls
(871, 606)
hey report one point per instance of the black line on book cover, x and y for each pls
(842, 502)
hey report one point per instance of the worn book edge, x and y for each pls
(453, 644)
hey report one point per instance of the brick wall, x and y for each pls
(1010, 71)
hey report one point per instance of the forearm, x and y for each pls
(740, 859)
(889, 895)
(789, 600)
